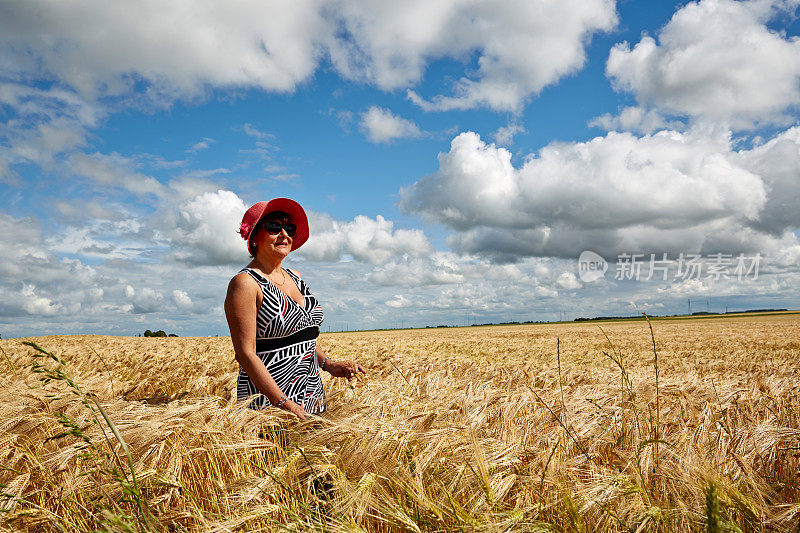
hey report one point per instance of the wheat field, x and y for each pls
(567, 427)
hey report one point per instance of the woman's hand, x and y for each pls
(344, 369)
(296, 409)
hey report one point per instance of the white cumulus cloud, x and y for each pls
(176, 46)
(35, 304)
(436, 268)
(145, 299)
(505, 134)
(668, 191)
(567, 280)
(778, 162)
(181, 49)
(115, 170)
(635, 119)
(205, 229)
(522, 46)
(715, 60)
(182, 299)
(382, 126)
(34, 282)
(398, 301)
(366, 239)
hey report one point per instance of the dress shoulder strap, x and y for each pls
(293, 274)
(255, 275)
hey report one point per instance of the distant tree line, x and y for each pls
(490, 324)
(159, 333)
(696, 313)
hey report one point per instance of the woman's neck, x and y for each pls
(267, 265)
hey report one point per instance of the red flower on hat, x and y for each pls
(244, 229)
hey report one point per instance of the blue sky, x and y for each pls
(455, 158)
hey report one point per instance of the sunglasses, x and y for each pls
(273, 228)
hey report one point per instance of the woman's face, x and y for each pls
(274, 245)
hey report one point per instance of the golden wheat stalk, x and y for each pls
(462, 429)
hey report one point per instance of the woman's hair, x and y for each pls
(272, 216)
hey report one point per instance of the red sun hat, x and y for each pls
(259, 210)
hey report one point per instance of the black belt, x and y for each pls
(275, 343)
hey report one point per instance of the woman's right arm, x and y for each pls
(240, 310)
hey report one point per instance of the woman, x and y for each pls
(274, 319)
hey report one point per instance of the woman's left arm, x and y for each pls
(339, 369)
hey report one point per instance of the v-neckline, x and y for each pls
(302, 307)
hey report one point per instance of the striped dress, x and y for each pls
(294, 368)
